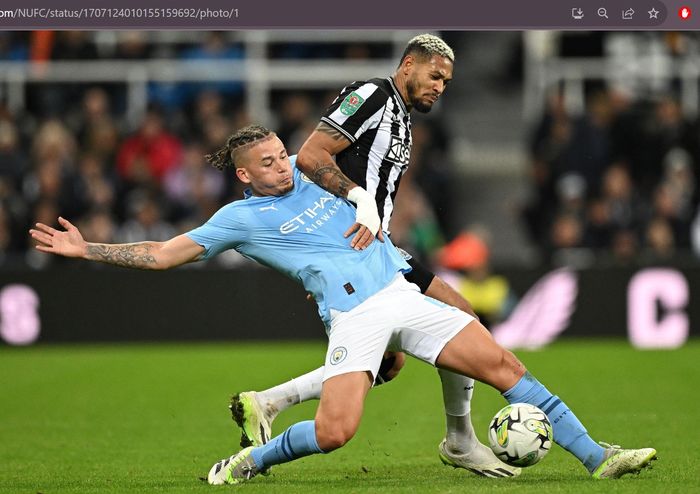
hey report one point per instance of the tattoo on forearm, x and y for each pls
(136, 255)
(331, 178)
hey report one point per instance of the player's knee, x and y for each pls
(331, 436)
(333, 441)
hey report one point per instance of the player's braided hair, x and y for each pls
(247, 135)
(426, 45)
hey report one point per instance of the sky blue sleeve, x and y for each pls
(225, 230)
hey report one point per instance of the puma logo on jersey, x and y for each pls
(271, 207)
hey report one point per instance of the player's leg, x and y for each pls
(460, 448)
(474, 352)
(356, 344)
(254, 411)
(337, 419)
(457, 390)
(340, 409)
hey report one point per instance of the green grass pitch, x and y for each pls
(154, 418)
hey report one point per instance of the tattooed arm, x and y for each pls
(140, 255)
(315, 159)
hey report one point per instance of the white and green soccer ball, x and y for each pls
(520, 434)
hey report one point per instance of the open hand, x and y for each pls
(67, 243)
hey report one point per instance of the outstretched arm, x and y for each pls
(140, 255)
(315, 159)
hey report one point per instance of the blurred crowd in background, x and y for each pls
(617, 184)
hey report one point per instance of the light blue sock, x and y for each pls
(569, 432)
(296, 442)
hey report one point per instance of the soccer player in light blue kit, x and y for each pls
(292, 225)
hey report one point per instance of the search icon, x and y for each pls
(602, 12)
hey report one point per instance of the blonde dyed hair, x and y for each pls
(427, 45)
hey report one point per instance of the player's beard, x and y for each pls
(284, 189)
(414, 100)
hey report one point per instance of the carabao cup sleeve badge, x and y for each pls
(351, 103)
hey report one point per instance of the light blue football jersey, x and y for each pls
(300, 234)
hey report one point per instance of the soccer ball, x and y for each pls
(520, 434)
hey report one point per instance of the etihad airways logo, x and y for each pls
(314, 216)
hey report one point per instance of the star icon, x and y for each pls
(653, 13)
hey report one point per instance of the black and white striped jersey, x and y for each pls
(373, 116)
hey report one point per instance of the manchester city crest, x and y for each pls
(338, 355)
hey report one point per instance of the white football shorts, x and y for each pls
(397, 318)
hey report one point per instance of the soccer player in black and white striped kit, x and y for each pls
(368, 130)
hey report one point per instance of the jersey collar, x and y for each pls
(398, 95)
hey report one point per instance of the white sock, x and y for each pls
(297, 390)
(457, 393)
(309, 385)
